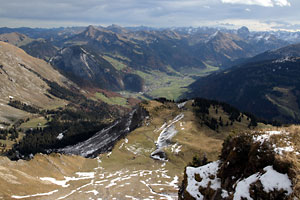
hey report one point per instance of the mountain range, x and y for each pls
(133, 59)
(121, 59)
(266, 85)
(87, 91)
(173, 43)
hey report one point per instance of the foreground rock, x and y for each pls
(250, 167)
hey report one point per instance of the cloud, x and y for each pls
(284, 25)
(282, 3)
(156, 13)
(265, 3)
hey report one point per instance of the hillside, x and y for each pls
(37, 103)
(284, 52)
(15, 38)
(151, 157)
(26, 79)
(90, 69)
(40, 48)
(269, 89)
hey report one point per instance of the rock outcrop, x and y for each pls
(250, 167)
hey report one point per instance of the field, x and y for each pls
(34, 122)
(111, 100)
(170, 86)
(118, 65)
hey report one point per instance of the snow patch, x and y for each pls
(242, 188)
(168, 132)
(165, 137)
(267, 134)
(205, 172)
(176, 148)
(87, 175)
(161, 128)
(60, 136)
(131, 197)
(274, 180)
(286, 59)
(95, 192)
(34, 195)
(63, 183)
(279, 150)
(181, 105)
(271, 180)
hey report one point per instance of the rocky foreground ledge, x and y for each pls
(261, 165)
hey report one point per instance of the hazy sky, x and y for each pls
(256, 14)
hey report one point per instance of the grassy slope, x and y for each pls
(127, 162)
(111, 100)
(287, 103)
(194, 140)
(34, 122)
(159, 84)
(117, 64)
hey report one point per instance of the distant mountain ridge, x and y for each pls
(156, 48)
(17, 39)
(133, 59)
(267, 85)
(190, 43)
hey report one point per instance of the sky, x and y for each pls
(257, 15)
